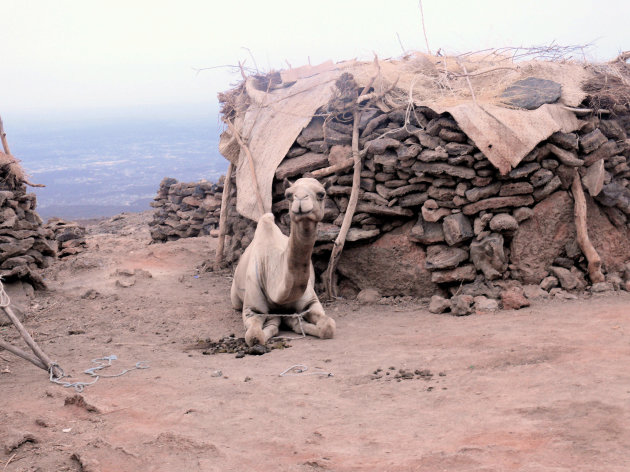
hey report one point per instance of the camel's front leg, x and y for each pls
(253, 322)
(315, 321)
(259, 328)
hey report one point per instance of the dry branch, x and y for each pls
(594, 261)
(45, 360)
(326, 171)
(227, 186)
(3, 138)
(331, 288)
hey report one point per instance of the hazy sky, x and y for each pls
(64, 55)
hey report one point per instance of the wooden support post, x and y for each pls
(24, 355)
(250, 158)
(329, 279)
(227, 187)
(32, 344)
(594, 261)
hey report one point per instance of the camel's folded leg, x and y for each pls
(271, 327)
(314, 322)
(253, 322)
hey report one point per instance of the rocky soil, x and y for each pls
(544, 388)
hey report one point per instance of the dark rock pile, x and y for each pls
(185, 209)
(68, 235)
(25, 245)
(434, 214)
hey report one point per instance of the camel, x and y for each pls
(275, 274)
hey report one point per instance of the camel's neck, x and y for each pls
(296, 267)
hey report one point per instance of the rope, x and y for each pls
(300, 369)
(100, 364)
(300, 317)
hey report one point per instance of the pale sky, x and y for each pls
(65, 55)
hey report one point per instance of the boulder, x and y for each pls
(612, 243)
(503, 222)
(426, 233)
(465, 273)
(488, 256)
(392, 265)
(541, 238)
(533, 292)
(461, 305)
(483, 303)
(549, 282)
(368, 296)
(457, 228)
(301, 164)
(439, 304)
(440, 256)
(513, 299)
(531, 93)
(568, 279)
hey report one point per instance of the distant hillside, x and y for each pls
(100, 168)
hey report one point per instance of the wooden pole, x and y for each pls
(24, 355)
(250, 159)
(331, 286)
(579, 211)
(31, 343)
(3, 138)
(227, 187)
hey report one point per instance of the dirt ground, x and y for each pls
(545, 388)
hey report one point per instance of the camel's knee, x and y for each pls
(326, 328)
(254, 333)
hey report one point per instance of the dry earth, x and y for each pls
(546, 388)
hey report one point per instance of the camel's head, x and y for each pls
(306, 197)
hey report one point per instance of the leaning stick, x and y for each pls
(250, 158)
(326, 171)
(31, 343)
(594, 261)
(227, 186)
(331, 288)
(24, 355)
(3, 138)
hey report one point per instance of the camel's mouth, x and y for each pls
(304, 215)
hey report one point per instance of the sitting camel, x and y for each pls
(275, 274)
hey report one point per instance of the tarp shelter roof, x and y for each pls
(274, 111)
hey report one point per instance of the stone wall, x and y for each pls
(185, 209)
(25, 244)
(434, 215)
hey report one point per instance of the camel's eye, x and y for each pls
(320, 195)
(288, 193)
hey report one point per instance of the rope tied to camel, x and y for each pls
(101, 363)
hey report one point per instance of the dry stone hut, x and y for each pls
(453, 175)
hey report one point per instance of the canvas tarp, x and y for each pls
(505, 135)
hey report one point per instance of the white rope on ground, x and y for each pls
(100, 364)
(300, 370)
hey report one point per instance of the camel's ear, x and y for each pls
(327, 184)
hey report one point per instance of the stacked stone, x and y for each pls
(185, 209)
(25, 244)
(420, 169)
(69, 237)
